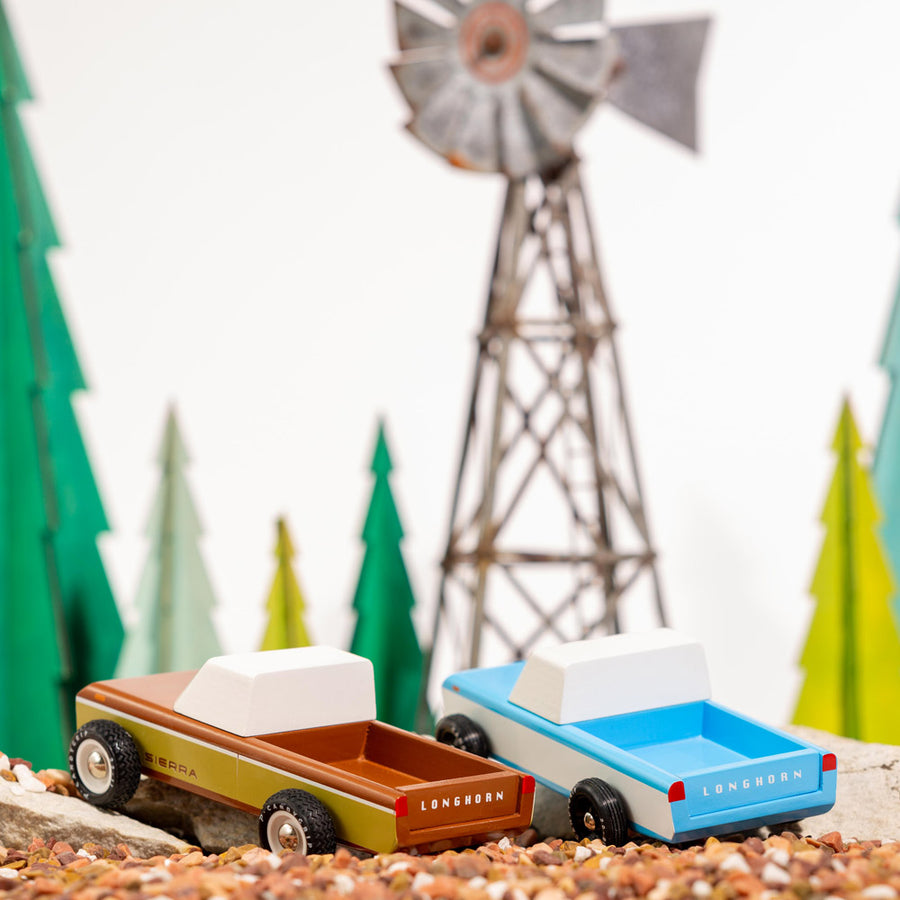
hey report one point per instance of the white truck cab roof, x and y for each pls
(612, 675)
(280, 690)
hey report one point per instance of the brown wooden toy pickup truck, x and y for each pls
(290, 735)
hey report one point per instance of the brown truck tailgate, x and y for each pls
(480, 797)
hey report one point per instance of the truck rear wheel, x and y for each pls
(461, 732)
(596, 810)
(296, 820)
(104, 763)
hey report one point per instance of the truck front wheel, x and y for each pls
(596, 810)
(296, 820)
(104, 763)
(461, 732)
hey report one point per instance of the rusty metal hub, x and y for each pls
(493, 41)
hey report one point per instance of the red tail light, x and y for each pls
(527, 784)
(829, 762)
(676, 792)
(401, 806)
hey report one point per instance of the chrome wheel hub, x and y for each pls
(284, 832)
(97, 766)
(94, 766)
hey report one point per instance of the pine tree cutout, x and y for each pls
(63, 627)
(286, 604)
(175, 599)
(886, 467)
(852, 654)
(383, 602)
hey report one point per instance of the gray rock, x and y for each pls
(868, 789)
(29, 815)
(868, 794)
(211, 825)
(551, 814)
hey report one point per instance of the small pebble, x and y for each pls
(734, 863)
(775, 875)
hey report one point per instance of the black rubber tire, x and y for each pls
(461, 732)
(593, 799)
(306, 814)
(118, 756)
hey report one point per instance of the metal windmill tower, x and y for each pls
(547, 530)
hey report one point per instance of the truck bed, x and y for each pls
(688, 739)
(382, 754)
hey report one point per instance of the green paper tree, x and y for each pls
(383, 602)
(175, 599)
(63, 627)
(286, 604)
(852, 653)
(886, 466)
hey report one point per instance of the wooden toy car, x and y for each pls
(290, 735)
(623, 726)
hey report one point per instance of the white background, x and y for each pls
(250, 233)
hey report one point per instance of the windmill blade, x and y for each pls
(658, 84)
(438, 122)
(567, 12)
(581, 65)
(419, 75)
(478, 145)
(415, 31)
(455, 8)
(558, 109)
(524, 148)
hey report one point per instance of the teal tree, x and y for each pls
(175, 599)
(62, 625)
(383, 602)
(886, 465)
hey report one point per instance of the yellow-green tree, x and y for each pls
(286, 604)
(852, 653)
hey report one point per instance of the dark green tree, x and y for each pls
(63, 628)
(383, 602)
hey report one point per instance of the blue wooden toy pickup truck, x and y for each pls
(623, 726)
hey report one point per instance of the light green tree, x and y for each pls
(175, 599)
(852, 654)
(383, 602)
(62, 626)
(286, 603)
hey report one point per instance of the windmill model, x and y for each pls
(502, 86)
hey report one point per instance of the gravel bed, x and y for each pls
(779, 866)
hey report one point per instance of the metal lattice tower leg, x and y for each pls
(548, 530)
